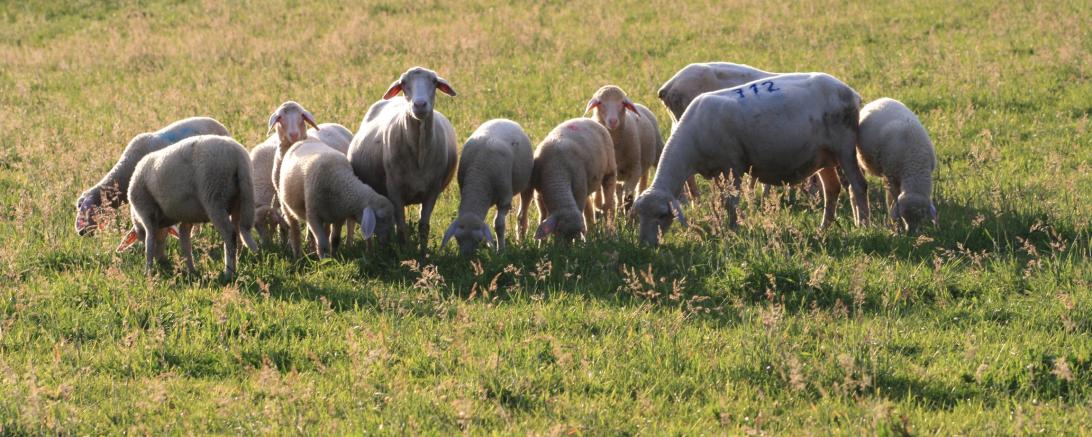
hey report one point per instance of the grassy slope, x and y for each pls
(979, 326)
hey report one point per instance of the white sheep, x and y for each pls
(205, 178)
(695, 79)
(779, 130)
(317, 186)
(112, 190)
(267, 216)
(895, 146)
(634, 134)
(575, 160)
(405, 150)
(290, 121)
(495, 165)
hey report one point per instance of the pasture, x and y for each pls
(980, 326)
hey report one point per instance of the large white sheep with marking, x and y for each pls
(634, 133)
(895, 146)
(112, 190)
(405, 149)
(698, 78)
(200, 179)
(780, 129)
(495, 166)
(574, 161)
(317, 186)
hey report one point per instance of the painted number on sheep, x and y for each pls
(756, 88)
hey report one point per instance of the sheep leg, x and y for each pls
(222, 222)
(350, 227)
(399, 218)
(543, 210)
(423, 226)
(498, 224)
(609, 181)
(858, 187)
(731, 198)
(589, 214)
(831, 188)
(160, 246)
(335, 236)
(524, 211)
(293, 234)
(692, 187)
(893, 190)
(185, 240)
(149, 249)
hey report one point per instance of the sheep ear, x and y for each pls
(546, 228)
(677, 209)
(628, 104)
(489, 235)
(450, 232)
(310, 119)
(127, 241)
(593, 103)
(445, 87)
(367, 223)
(395, 88)
(273, 119)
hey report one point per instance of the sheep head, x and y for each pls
(609, 106)
(88, 207)
(291, 120)
(377, 220)
(419, 86)
(566, 225)
(469, 230)
(912, 210)
(656, 209)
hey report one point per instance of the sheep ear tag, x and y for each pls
(450, 232)
(127, 241)
(546, 228)
(367, 223)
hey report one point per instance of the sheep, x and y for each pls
(634, 133)
(575, 160)
(780, 129)
(895, 146)
(317, 186)
(112, 190)
(695, 79)
(495, 165)
(267, 212)
(405, 150)
(205, 178)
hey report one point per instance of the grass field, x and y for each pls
(979, 327)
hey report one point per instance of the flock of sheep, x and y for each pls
(729, 119)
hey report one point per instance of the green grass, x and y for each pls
(979, 327)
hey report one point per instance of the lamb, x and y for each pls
(317, 186)
(112, 190)
(780, 130)
(575, 160)
(634, 133)
(895, 146)
(204, 178)
(405, 150)
(495, 165)
(267, 212)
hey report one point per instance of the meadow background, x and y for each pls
(979, 327)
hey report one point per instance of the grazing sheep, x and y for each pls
(405, 150)
(895, 146)
(780, 130)
(200, 179)
(334, 135)
(267, 218)
(113, 188)
(575, 160)
(695, 79)
(317, 186)
(495, 165)
(634, 133)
